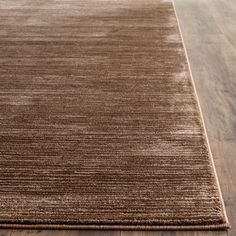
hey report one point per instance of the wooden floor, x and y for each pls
(209, 32)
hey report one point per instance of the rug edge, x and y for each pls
(223, 226)
(225, 217)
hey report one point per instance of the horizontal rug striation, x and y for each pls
(99, 123)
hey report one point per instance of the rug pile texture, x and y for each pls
(99, 121)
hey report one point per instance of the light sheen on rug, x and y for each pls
(99, 121)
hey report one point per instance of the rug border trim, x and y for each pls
(114, 227)
(202, 120)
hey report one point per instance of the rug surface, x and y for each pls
(99, 121)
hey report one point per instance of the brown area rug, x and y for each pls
(99, 123)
